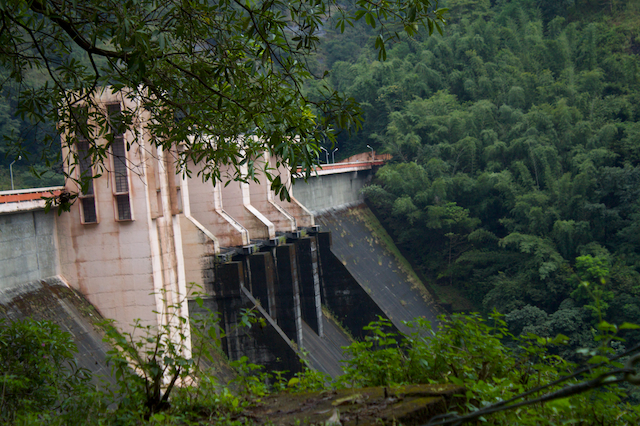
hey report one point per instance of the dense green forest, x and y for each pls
(23, 135)
(36, 162)
(516, 171)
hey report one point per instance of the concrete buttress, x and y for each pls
(263, 342)
(263, 277)
(288, 292)
(309, 282)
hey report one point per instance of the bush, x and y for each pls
(470, 351)
(39, 372)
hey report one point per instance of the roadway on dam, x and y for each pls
(367, 251)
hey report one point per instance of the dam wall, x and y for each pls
(364, 249)
(280, 289)
(128, 262)
(28, 247)
(328, 191)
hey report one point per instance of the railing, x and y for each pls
(31, 194)
(344, 167)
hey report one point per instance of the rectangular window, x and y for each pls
(88, 212)
(124, 207)
(120, 166)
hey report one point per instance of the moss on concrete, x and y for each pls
(408, 405)
(383, 238)
(445, 294)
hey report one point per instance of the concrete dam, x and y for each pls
(345, 267)
(314, 287)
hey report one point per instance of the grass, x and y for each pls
(331, 317)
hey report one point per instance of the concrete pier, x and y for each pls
(263, 277)
(288, 292)
(309, 280)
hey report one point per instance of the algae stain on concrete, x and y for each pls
(383, 239)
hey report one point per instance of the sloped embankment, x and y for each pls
(372, 259)
(325, 353)
(51, 299)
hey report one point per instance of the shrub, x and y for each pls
(39, 372)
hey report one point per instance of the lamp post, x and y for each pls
(11, 170)
(372, 154)
(327, 154)
(333, 156)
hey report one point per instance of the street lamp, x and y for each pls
(333, 156)
(11, 170)
(326, 152)
(372, 155)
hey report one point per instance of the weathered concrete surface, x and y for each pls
(304, 218)
(350, 303)
(262, 281)
(288, 292)
(264, 343)
(51, 299)
(407, 405)
(204, 204)
(276, 292)
(198, 257)
(236, 201)
(27, 247)
(263, 199)
(112, 262)
(327, 191)
(325, 353)
(309, 282)
(367, 255)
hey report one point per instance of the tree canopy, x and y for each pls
(207, 69)
(516, 159)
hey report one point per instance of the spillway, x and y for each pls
(368, 253)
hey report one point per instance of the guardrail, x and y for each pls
(325, 169)
(27, 199)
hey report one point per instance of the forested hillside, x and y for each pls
(39, 164)
(516, 171)
(24, 130)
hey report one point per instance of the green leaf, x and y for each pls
(158, 417)
(605, 326)
(560, 339)
(628, 326)
(598, 359)
(412, 14)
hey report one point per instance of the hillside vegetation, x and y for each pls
(516, 173)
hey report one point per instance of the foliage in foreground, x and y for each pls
(160, 383)
(159, 377)
(224, 78)
(483, 356)
(38, 374)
